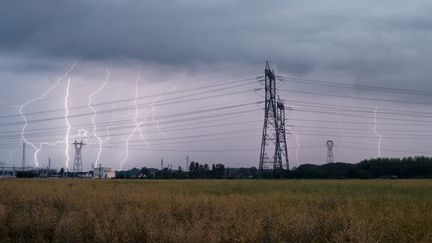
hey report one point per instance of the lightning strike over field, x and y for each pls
(153, 112)
(21, 111)
(113, 119)
(137, 127)
(8, 105)
(99, 139)
(298, 148)
(82, 135)
(68, 125)
(340, 128)
(376, 132)
(296, 136)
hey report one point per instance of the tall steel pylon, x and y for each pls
(330, 156)
(274, 149)
(77, 167)
(282, 133)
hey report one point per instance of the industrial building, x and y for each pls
(104, 172)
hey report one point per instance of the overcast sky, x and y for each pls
(196, 64)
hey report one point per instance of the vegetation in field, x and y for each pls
(215, 210)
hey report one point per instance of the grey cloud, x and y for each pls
(379, 43)
(179, 32)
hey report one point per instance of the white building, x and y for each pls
(104, 173)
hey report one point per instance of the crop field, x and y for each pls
(39, 210)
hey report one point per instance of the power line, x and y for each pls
(232, 84)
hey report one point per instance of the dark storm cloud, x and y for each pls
(377, 43)
(367, 36)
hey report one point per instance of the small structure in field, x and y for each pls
(104, 172)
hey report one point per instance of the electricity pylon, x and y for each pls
(330, 156)
(274, 150)
(77, 167)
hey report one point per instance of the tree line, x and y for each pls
(410, 167)
(195, 171)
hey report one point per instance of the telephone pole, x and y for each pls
(274, 150)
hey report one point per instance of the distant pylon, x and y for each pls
(77, 167)
(23, 162)
(330, 156)
(274, 151)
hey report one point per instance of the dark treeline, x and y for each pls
(411, 167)
(195, 171)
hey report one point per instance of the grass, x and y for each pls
(215, 211)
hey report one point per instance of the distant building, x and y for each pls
(104, 173)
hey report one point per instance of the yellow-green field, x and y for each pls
(215, 211)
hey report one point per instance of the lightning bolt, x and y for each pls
(37, 149)
(153, 112)
(137, 127)
(340, 128)
(100, 141)
(376, 133)
(7, 104)
(82, 135)
(298, 148)
(296, 136)
(113, 119)
(68, 125)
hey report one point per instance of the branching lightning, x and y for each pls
(113, 119)
(68, 125)
(21, 111)
(137, 127)
(8, 105)
(82, 135)
(298, 148)
(99, 139)
(376, 133)
(153, 112)
(340, 129)
(298, 145)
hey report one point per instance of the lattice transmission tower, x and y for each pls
(77, 167)
(330, 156)
(274, 149)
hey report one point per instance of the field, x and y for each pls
(215, 210)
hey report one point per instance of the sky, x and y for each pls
(141, 81)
